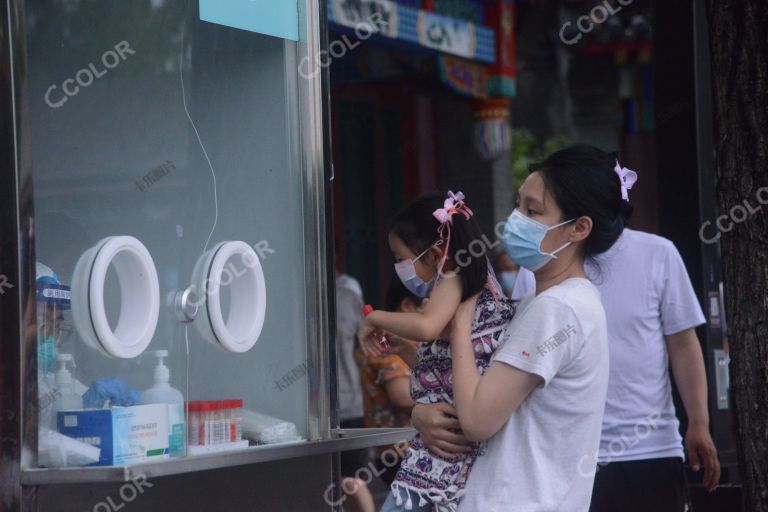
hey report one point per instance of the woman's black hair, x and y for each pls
(397, 293)
(417, 228)
(583, 182)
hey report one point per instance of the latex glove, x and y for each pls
(113, 390)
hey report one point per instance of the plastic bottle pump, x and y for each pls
(162, 393)
(67, 398)
(162, 374)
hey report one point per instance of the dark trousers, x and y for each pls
(653, 485)
(352, 460)
(387, 473)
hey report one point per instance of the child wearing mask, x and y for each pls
(425, 238)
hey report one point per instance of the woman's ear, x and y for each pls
(582, 227)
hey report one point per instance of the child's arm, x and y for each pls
(424, 326)
(483, 403)
(399, 393)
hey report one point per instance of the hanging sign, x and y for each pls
(274, 18)
(447, 34)
(377, 16)
(493, 132)
(413, 26)
(463, 76)
(714, 309)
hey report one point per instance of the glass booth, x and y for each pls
(170, 223)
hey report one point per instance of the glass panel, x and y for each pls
(145, 122)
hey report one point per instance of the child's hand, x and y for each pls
(370, 339)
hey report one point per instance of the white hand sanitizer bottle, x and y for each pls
(67, 398)
(163, 393)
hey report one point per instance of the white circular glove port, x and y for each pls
(234, 265)
(139, 297)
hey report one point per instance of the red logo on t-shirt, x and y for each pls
(526, 354)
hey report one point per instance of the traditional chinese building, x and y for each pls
(420, 96)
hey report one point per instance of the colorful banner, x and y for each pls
(446, 34)
(464, 77)
(382, 15)
(273, 18)
(397, 21)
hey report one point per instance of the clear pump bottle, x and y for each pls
(162, 393)
(67, 398)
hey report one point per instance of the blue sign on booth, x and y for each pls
(279, 18)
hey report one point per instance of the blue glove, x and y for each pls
(113, 390)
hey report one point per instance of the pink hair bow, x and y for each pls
(627, 177)
(454, 204)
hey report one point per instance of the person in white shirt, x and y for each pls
(516, 282)
(350, 283)
(540, 404)
(652, 311)
(349, 388)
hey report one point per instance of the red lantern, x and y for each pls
(492, 129)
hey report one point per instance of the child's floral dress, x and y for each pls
(423, 473)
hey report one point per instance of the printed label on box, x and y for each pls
(140, 432)
(126, 435)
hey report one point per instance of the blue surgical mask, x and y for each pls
(508, 279)
(522, 241)
(406, 271)
(46, 354)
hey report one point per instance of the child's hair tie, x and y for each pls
(454, 204)
(627, 178)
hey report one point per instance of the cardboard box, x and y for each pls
(125, 435)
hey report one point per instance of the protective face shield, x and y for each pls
(53, 299)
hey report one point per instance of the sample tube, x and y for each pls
(214, 422)
(224, 418)
(219, 424)
(235, 407)
(193, 423)
(230, 410)
(240, 420)
(206, 411)
(238, 414)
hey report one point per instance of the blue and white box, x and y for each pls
(125, 435)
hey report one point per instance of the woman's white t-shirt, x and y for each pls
(543, 458)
